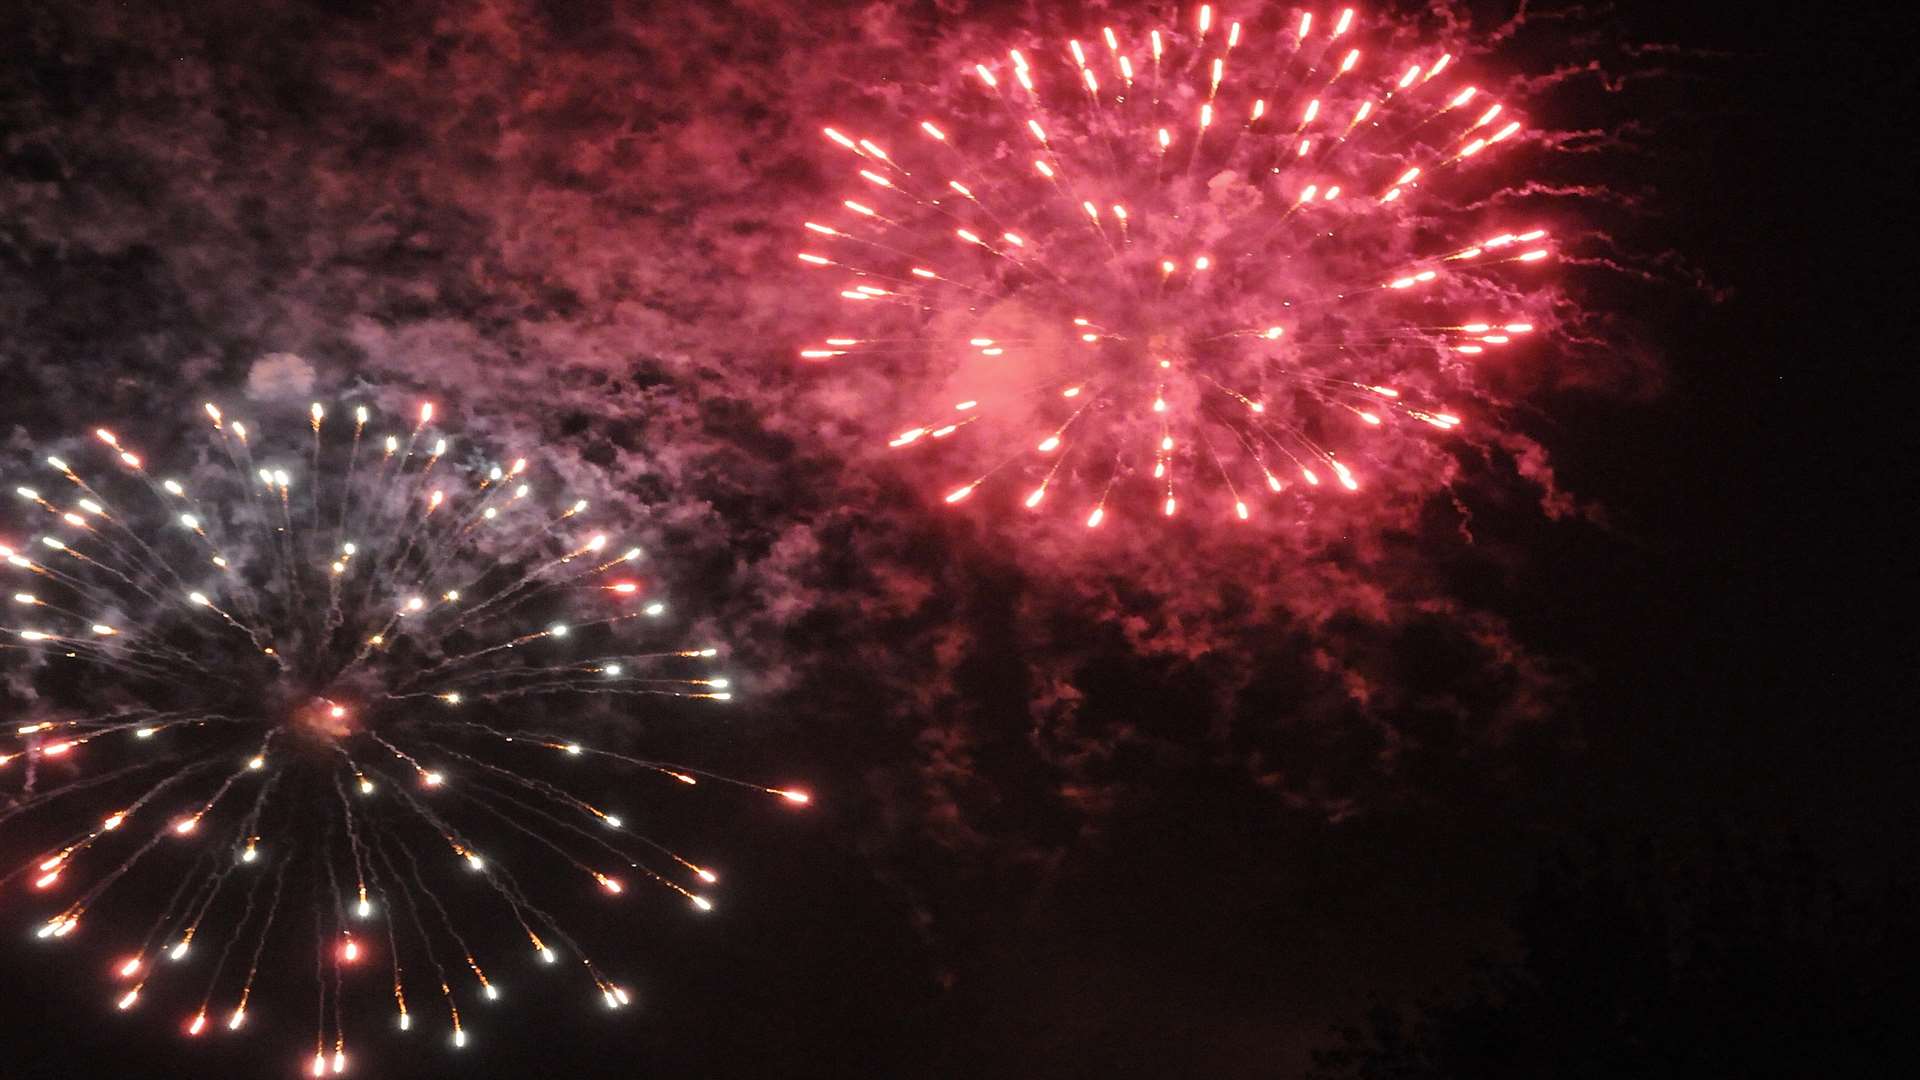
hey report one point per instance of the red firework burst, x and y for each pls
(1220, 258)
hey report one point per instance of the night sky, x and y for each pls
(1183, 804)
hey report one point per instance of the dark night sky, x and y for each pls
(989, 887)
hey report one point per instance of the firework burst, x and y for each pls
(1224, 258)
(294, 681)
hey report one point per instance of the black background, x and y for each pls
(1747, 640)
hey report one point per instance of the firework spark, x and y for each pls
(291, 678)
(1218, 258)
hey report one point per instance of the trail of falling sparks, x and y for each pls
(1148, 260)
(311, 686)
